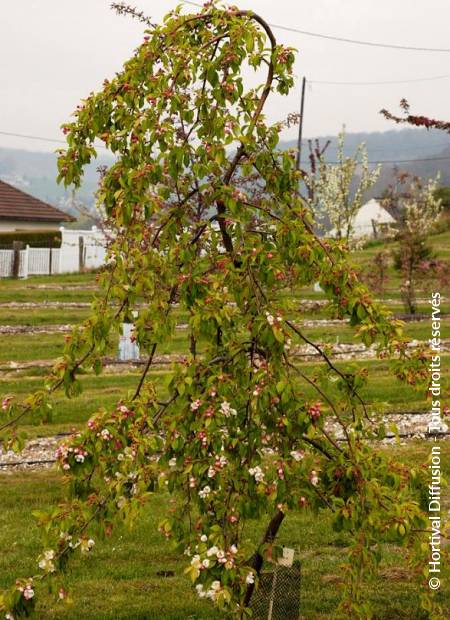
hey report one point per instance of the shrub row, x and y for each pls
(33, 238)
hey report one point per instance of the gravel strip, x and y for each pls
(40, 453)
(305, 352)
(37, 454)
(35, 329)
(45, 304)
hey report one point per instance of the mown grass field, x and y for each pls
(119, 580)
(42, 346)
(383, 393)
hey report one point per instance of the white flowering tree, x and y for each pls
(209, 224)
(336, 191)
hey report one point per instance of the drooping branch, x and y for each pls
(121, 8)
(415, 120)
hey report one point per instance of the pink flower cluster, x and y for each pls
(26, 590)
(203, 438)
(105, 434)
(314, 411)
(64, 452)
(5, 402)
(219, 464)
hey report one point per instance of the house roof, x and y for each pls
(17, 205)
(372, 211)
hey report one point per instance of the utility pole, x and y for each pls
(300, 126)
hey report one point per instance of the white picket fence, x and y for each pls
(79, 248)
(6, 262)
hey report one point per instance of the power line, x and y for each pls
(409, 81)
(399, 161)
(381, 161)
(59, 141)
(411, 148)
(22, 135)
(330, 37)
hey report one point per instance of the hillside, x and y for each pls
(398, 147)
(35, 172)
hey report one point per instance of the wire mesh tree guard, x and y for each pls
(278, 594)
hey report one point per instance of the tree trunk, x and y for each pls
(256, 562)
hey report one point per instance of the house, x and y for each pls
(21, 212)
(371, 219)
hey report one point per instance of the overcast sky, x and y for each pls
(54, 52)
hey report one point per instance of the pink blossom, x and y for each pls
(314, 411)
(5, 402)
(196, 404)
(314, 478)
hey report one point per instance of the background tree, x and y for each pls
(376, 274)
(416, 210)
(336, 191)
(208, 221)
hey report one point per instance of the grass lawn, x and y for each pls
(27, 347)
(43, 316)
(119, 581)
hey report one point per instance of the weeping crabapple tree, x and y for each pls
(208, 222)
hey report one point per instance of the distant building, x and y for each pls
(21, 212)
(371, 219)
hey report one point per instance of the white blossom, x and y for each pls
(214, 590)
(257, 473)
(314, 478)
(227, 410)
(270, 318)
(250, 578)
(221, 556)
(211, 472)
(297, 455)
(200, 590)
(46, 565)
(86, 545)
(204, 493)
(212, 551)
